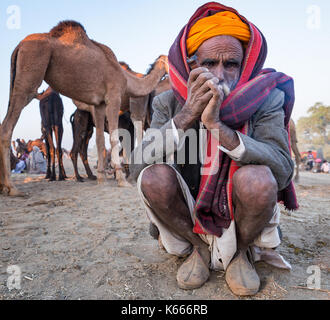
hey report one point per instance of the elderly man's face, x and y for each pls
(223, 56)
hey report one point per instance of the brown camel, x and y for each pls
(82, 130)
(138, 108)
(82, 124)
(22, 146)
(141, 110)
(294, 147)
(81, 69)
(51, 112)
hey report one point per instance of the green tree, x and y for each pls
(314, 129)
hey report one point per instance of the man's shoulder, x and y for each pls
(273, 103)
(276, 97)
(167, 100)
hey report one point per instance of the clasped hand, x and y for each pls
(205, 96)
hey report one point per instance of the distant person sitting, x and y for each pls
(21, 165)
(310, 161)
(325, 166)
(37, 163)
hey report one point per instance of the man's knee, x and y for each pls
(159, 184)
(255, 185)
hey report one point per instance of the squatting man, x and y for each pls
(223, 215)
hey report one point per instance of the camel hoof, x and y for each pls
(80, 179)
(92, 177)
(101, 181)
(15, 193)
(124, 184)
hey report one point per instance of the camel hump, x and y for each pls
(35, 37)
(66, 26)
(108, 53)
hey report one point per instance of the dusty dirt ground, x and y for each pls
(83, 241)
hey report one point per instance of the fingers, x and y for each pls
(205, 99)
(216, 89)
(201, 81)
(199, 76)
(193, 75)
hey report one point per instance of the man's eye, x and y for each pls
(231, 65)
(209, 64)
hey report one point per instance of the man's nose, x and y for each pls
(219, 73)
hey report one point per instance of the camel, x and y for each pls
(81, 69)
(139, 107)
(82, 122)
(141, 110)
(22, 146)
(294, 147)
(51, 112)
(82, 130)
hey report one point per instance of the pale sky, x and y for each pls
(138, 31)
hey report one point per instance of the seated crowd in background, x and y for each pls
(325, 166)
(33, 163)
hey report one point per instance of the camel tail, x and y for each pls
(13, 72)
(72, 123)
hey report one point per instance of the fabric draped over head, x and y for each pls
(214, 208)
(221, 23)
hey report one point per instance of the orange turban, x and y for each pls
(221, 23)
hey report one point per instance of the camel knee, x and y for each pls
(255, 186)
(159, 185)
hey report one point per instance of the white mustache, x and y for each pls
(225, 89)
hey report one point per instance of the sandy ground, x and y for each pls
(83, 241)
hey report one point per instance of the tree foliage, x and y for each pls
(314, 129)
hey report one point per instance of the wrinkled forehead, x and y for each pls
(218, 46)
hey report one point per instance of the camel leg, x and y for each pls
(84, 155)
(78, 132)
(74, 157)
(45, 137)
(112, 112)
(139, 110)
(48, 173)
(58, 131)
(125, 122)
(2, 166)
(18, 102)
(52, 155)
(296, 178)
(30, 67)
(138, 126)
(100, 144)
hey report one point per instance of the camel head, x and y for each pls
(163, 59)
(160, 63)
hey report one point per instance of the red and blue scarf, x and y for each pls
(214, 209)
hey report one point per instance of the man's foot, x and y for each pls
(194, 272)
(241, 276)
